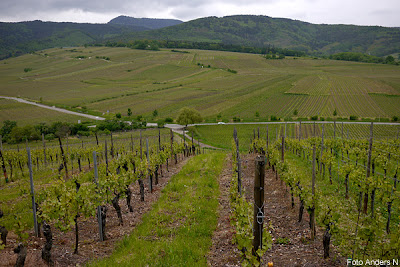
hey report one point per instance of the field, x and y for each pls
(221, 135)
(111, 80)
(26, 114)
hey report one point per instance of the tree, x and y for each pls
(129, 112)
(155, 113)
(335, 113)
(188, 116)
(295, 112)
(7, 128)
(389, 60)
(118, 115)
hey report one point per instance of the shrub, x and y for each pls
(236, 119)
(395, 118)
(353, 117)
(314, 118)
(169, 120)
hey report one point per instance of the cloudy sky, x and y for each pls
(359, 12)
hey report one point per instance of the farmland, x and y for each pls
(110, 80)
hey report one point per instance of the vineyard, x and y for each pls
(67, 186)
(348, 187)
(81, 80)
(144, 193)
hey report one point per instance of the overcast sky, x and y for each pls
(358, 12)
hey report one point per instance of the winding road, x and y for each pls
(53, 108)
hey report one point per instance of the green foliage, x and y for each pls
(188, 116)
(169, 120)
(129, 112)
(27, 69)
(353, 117)
(155, 113)
(358, 57)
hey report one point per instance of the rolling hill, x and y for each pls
(259, 31)
(146, 23)
(246, 30)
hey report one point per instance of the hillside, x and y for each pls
(221, 85)
(147, 23)
(245, 30)
(24, 37)
(260, 31)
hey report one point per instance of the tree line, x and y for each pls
(157, 44)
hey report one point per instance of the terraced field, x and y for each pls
(167, 81)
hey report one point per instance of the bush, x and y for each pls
(314, 118)
(49, 137)
(353, 117)
(274, 118)
(395, 118)
(236, 119)
(169, 120)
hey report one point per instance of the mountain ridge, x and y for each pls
(148, 23)
(245, 30)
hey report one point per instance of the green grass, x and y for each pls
(167, 81)
(178, 229)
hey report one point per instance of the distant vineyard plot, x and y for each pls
(221, 85)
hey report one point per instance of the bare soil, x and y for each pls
(90, 248)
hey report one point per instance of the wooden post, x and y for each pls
(258, 132)
(159, 139)
(368, 174)
(285, 129)
(35, 223)
(63, 158)
(342, 131)
(44, 150)
(314, 130)
(148, 164)
(112, 146)
(334, 129)
(141, 146)
(3, 165)
(266, 151)
(106, 155)
(97, 138)
(300, 131)
(67, 137)
(239, 170)
(132, 143)
(322, 148)
(96, 179)
(312, 212)
(258, 219)
(283, 149)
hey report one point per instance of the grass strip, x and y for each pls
(178, 229)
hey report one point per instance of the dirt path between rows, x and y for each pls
(90, 248)
(292, 245)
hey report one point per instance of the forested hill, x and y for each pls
(24, 37)
(147, 23)
(243, 30)
(261, 31)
